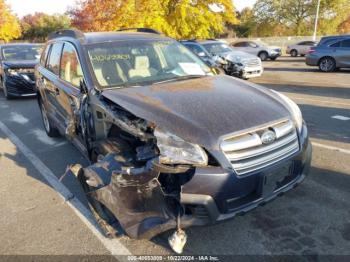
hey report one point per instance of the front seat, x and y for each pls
(111, 74)
(141, 68)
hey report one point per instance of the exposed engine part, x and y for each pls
(146, 152)
(128, 183)
(128, 122)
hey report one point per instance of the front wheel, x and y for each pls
(294, 53)
(50, 129)
(327, 64)
(263, 56)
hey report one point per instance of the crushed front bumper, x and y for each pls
(20, 85)
(223, 195)
(244, 72)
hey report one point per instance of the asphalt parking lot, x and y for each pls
(312, 219)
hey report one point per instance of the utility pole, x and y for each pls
(316, 20)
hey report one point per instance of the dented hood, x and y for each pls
(201, 110)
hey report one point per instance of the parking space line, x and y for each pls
(114, 246)
(342, 150)
(343, 118)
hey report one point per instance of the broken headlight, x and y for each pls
(294, 109)
(174, 150)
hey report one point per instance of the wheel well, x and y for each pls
(294, 50)
(263, 52)
(319, 61)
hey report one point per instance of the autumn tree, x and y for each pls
(296, 17)
(39, 26)
(9, 25)
(247, 24)
(344, 27)
(178, 19)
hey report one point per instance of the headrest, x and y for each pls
(79, 70)
(141, 62)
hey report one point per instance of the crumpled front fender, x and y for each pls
(133, 195)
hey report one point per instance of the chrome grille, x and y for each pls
(248, 153)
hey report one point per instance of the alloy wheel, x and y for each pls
(263, 56)
(327, 64)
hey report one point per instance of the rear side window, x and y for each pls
(55, 57)
(345, 43)
(252, 44)
(43, 57)
(241, 44)
(70, 66)
(337, 44)
(194, 48)
(310, 43)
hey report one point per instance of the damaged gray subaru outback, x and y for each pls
(171, 144)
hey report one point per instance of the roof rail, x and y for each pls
(188, 40)
(77, 34)
(141, 30)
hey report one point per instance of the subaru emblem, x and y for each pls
(268, 137)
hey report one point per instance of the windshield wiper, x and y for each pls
(180, 78)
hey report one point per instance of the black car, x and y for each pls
(172, 145)
(203, 54)
(17, 62)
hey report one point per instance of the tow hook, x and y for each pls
(178, 239)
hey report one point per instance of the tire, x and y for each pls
(263, 55)
(294, 53)
(327, 64)
(50, 129)
(4, 89)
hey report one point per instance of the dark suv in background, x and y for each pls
(17, 62)
(331, 53)
(172, 145)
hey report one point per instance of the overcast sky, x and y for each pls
(24, 7)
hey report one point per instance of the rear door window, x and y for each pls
(240, 44)
(55, 58)
(70, 66)
(345, 43)
(310, 43)
(337, 44)
(195, 48)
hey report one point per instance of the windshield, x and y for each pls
(141, 62)
(21, 53)
(217, 48)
